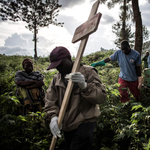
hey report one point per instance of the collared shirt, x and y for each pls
(127, 64)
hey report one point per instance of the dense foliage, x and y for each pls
(119, 127)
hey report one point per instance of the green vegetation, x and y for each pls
(120, 126)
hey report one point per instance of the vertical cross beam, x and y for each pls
(83, 36)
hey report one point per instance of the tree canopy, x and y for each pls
(137, 19)
(36, 13)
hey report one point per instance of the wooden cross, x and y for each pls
(82, 33)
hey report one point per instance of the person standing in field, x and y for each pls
(145, 59)
(148, 61)
(130, 63)
(83, 108)
(29, 87)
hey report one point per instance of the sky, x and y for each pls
(15, 39)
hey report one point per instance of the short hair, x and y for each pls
(125, 43)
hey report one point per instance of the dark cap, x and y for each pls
(27, 60)
(57, 55)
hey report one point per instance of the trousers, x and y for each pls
(80, 138)
(133, 87)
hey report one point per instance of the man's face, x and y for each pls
(147, 53)
(65, 66)
(28, 67)
(125, 49)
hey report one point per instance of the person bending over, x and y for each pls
(130, 63)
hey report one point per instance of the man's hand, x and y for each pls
(140, 81)
(79, 78)
(54, 127)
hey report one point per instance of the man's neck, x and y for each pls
(128, 52)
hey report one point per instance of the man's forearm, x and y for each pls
(107, 60)
(25, 83)
(36, 85)
(138, 70)
(140, 81)
(140, 78)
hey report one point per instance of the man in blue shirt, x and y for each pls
(130, 63)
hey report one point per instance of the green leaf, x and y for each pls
(137, 107)
(22, 118)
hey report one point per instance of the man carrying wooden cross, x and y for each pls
(82, 111)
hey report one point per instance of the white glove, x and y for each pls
(54, 127)
(78, 78)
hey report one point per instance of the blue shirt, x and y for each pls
(127, 64)
(148, 60)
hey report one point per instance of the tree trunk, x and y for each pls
(35, 41)
(138, 26)
(124, 21)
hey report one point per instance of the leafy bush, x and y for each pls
(119, 127)
(2, 66)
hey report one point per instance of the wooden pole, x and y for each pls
(74, 69)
